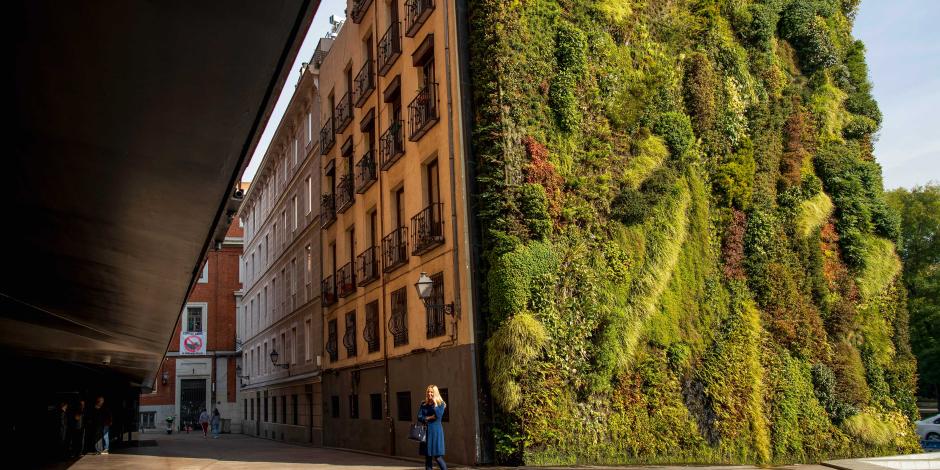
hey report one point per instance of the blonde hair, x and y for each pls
(438, 401)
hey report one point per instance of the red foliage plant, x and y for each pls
(798, 144)
(541, 171)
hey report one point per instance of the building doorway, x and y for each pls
(192, 401)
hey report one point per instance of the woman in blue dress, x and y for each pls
(430, 413)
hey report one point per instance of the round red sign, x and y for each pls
(192, 343)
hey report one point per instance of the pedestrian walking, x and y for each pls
(204, 422)
(216, 423)
(62, 429)
(102, 427)
(77, 429)
(430, 413)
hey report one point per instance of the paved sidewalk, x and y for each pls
(929, 461)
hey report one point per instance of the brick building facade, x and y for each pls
(199, 369)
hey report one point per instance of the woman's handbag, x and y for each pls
(419, 432)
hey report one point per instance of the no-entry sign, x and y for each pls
(193, 343)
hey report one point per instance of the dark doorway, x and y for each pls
(192, 401)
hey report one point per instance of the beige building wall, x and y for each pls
(279, 308)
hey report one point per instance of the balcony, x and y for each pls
(343, 113)
(364, 83)
(389, 48)
(328, 291)
(346, 279)
(345, 197)
(416, 13)
(349, 338)
(359, 9)
(331, 342)
(427, 229)
(368, 265)
(395, 249)
(365, 172)
(392, 144)
(327, 210)
(327, 139)
(422, 112)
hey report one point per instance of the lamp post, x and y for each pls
(425, 287)
(274, 357)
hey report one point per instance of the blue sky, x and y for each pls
(903, 42)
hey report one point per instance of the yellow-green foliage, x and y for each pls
(887, 430)
(814, 212)
(734, 383)
(665, 234)
(881, 265)
(508, 352)
(826, 105)
(650, 153)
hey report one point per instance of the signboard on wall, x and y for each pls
(192, 344)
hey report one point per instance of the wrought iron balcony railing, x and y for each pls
(327, 138)
(346, 279)
(328, 291)
(345, 197)
(389, 48)
(368, 265)
(365, 172)
(331, 342)
(327, 210)
(423, 112)
(343, 113)
(349, 337)
(416, 13)
(370, 333)
(398, 320)
(395, 249)
(364, 83)
(427, 229)
(392, 144)
(359, 9)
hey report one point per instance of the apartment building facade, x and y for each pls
(394, 207)
(279, 317)
(199, 369)
(361, 194)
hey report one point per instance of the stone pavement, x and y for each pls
(240, 452)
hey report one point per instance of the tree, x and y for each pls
(919, 209)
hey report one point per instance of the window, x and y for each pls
(241, 274)
(334, 406)
(251, 405)
(371, 331)
(293, 407)
(246, 407)
(309, 126)
(375, 403)
(436, 325)
(195, 318)
(404, 405)
(399, 320)
(296, 151)
(284, 409)
(307, 339)
(273, 409)
(309, 185)
(349, 338)
(354, 406)
(293, 343)
(296, 209)
(331, 346)
(265, 406)
(147, 419)
(204, 276)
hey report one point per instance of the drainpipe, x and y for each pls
(381, 176)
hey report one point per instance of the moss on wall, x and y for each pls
(687, 253)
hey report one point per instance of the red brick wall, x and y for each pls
(165, 394)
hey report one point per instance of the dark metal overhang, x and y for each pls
(133, 122)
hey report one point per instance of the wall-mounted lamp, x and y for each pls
(274, 357)
(425, 287)
(166, 376)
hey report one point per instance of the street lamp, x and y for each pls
(425, 287)
(274, 356)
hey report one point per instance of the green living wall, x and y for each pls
(688, 256)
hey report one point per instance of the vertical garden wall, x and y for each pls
(687, 253)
